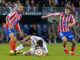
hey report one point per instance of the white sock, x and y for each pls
(49, 41)
(19, 47)
(24, 53)
(71, 52)
(54, 41)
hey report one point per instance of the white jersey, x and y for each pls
(34, 40)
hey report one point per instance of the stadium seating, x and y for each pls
(41, 29)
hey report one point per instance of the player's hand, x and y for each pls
(10, 26)
(44, 55)
(21, 41)
(20, 34)
(43, 17)
(70, 25)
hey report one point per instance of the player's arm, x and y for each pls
(45, 50)
(73, 21)
(51, 14)
(18, 29)
(26, 38)
(46, 54)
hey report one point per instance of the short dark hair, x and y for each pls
(40, 42)
(68, 8)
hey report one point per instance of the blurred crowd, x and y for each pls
(42, 3)
(12, 4)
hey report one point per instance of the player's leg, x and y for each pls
(71, 38)
(12, 42)
(54, 37)
(30, 52)
(13, 39)
(64, 38)
(21, 46)
(49, 37)
(11, 34)
(64, 44)
(72, 47)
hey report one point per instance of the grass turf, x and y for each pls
(55, 53)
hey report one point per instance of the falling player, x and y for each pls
(12, 20)
(34, 43)
(66, 20)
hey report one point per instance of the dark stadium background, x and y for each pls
(34, 9)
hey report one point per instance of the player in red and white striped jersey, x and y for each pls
(66, 20)
(12, 21)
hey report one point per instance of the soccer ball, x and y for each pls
(38, 52)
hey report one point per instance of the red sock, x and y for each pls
(12, 44)
(64, 45)
(72, 49)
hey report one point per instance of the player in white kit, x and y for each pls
(34, 42)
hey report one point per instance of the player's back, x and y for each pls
(34, 39)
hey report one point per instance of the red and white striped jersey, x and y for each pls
(63, 22)
(13, 19)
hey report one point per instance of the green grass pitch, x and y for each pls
(55, 53)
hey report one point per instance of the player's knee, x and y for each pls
(64, 39)
(11, 35)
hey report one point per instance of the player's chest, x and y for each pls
(65, 20)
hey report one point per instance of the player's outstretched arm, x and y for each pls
(26, 38)
(51, 14)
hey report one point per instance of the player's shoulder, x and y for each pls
(61, 13)
(12, 13)
(36, 37)
(71, 15)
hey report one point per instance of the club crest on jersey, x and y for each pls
(64, 23)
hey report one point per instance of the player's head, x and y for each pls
(20, 8)
(67, 11)
(39, 43)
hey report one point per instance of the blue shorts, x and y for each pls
(68, 34)
(7, 31)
